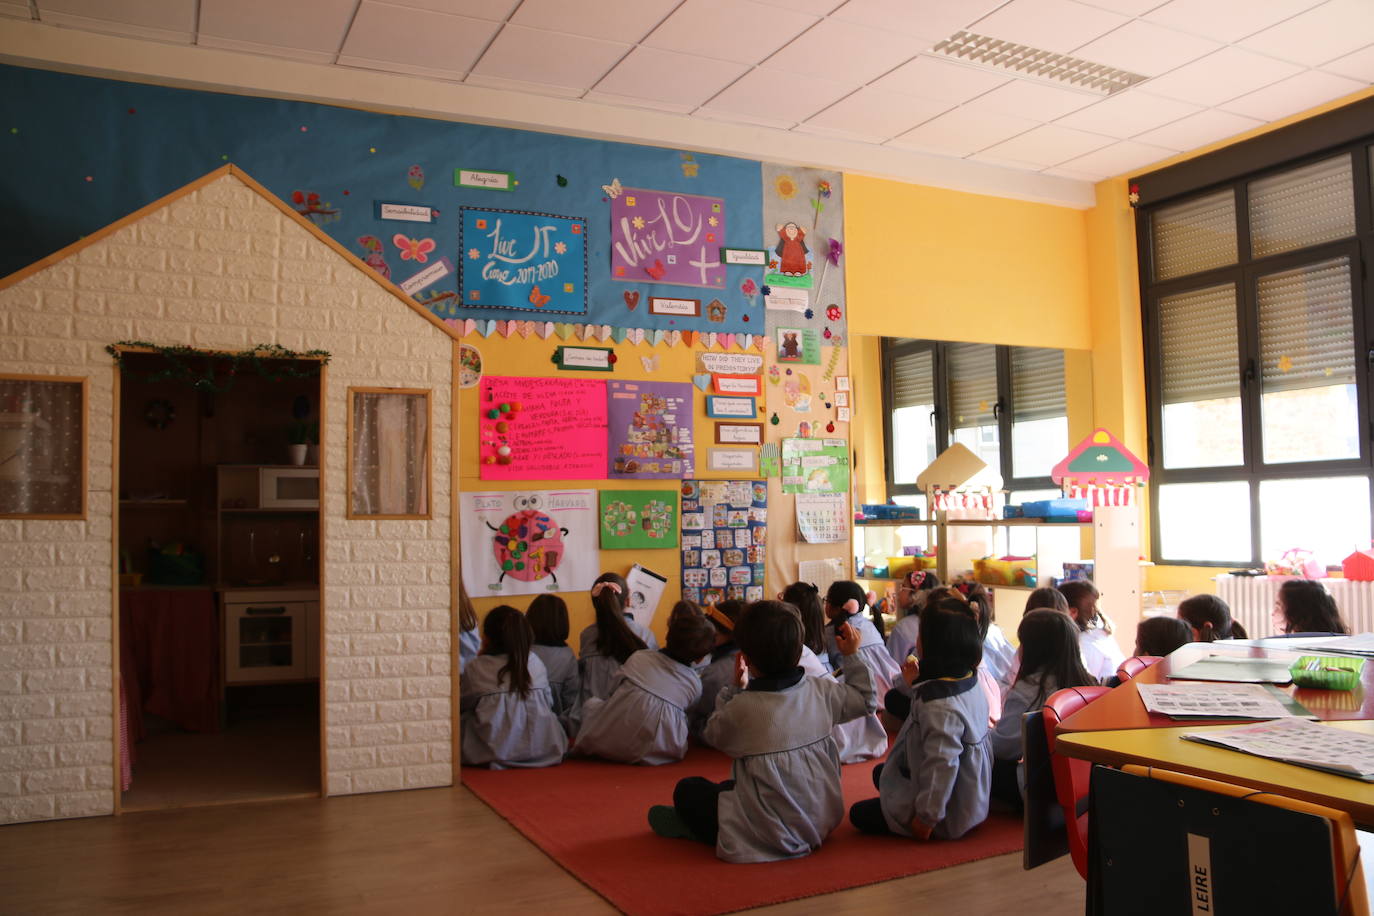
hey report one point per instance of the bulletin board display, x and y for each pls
(541, 428)
(393, 190)
(724, 539)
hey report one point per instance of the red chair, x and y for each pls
(1071, 776)
(1136, 664)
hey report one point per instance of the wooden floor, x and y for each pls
(429, 851)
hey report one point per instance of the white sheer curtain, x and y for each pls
(390, 453)
(41, 447)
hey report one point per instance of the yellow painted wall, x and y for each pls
(948, 265)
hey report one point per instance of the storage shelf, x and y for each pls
(893, 523)
(245, 645)
(152, 503)
(1013, 523)
(257, 511)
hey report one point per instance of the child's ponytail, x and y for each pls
(508, 633)
(614, 638)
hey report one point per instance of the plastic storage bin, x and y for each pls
(1054, 509)
(1005, 571)
(1327, 673)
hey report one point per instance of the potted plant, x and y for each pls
(298, 442)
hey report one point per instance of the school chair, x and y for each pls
(1136, 664)
(1045, 838)
(1164, 842)
(1071, 776)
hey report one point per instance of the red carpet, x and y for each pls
(590, 817)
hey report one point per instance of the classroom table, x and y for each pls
(1122, 708)
(1162, 747)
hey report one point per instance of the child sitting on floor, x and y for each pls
(506, 707)
(935, 780)
(858, 739)
(645, 718)
(1208, 619)
(548, 617)
(784, 796)
(845, 603)
(1158, 636)
(1101, 654)
(721, 669)
(604, 646)
(911, 596)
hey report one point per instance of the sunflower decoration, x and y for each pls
(786, 187)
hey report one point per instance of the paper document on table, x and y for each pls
(1297, 741)
(1218, 701)
(1238, 669)
(1363, 644)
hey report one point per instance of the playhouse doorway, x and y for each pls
(218, 540)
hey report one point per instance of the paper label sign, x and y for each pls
(490, 181)
(792, 300)
(427, 277)
(733, 459)
(595, 358)
(405, 213)
(690, 308)
(749, 257)
(730, 407)
(730, 363)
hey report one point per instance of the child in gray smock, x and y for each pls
(720, 670)
(858, 739)
(605, 645)
(645, 718)
(935, 781)
(784, 796)
(844, 603)
(506, 707)
(548, 617)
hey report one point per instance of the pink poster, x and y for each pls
(541, 429)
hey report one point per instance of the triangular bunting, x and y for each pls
(690, 337)
(526, 327)
(562, 329)
(618, 334)
(656, 336)
(507, 328)
(727, 341)
(745, 341)
(604, 333)
(487, 328)
(544, 329)
(674, 338)
(637, 336)
(709, 339)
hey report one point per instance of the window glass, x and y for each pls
(1200, 381)
(973, 399)
(1327, 515)
(1208, 522)
(1307, 359)
(1301, 207)
(1195, 235)
(912, 380)
(1040, 422)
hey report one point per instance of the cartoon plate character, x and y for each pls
(792, 250)
(529, 544)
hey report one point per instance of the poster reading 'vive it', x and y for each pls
(724, 534)
(650, 429)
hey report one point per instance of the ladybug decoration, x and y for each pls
(529, 544)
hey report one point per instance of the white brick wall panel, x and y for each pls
(437, 709)
(401, 710)
(353, 713)
(23, 758)
(425, 643)
(437, 574)
(428, 775)
(27, 554)
(440, 665)
(205, 270)
(356, 575)
(9, 784)
(402, 755)
(440, 751)
(15, 659)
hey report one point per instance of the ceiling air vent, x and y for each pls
(1023, 60)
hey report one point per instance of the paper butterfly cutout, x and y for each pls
(613, 189)
(657, 271)
(416, 250)
(650, 363)
(538, 299)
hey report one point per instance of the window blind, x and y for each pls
(1037, 383)
(1301, 207)
(913, 382)
(1195, 235)
(1198, 345)
(972, 384)
(1307, 327)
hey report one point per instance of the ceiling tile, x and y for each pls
(1119, 158)
(1145, 49)
(160, 20)
(1054, 25)
(1076, 174)
(961, 132)
(737, 30)
(929, 78)
(548, 58)
(874, 115)
(1324, 33)
(315, 28)
(494, 10)
(1358, 66)
(928, 19)
(1048, 145)
(665, 76)
(777, 96)
(1194, 131)
(1127, 114)
(419, 41)
(1124, 7)
(613, 20)
(1226, 20)
(1219, 77)
(1295, 94)
(1037, 101)
(844, 52)
(814, 7)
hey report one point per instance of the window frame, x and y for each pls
(892, 348)
(1246, 274)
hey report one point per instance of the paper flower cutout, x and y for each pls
(416, 250)
(749, 288)
(823, 189)
(766, 290)
(786, 187)
(474, 254)
(560, 247)
(415, 177)
(637, 222)
(712, 221)
(689, 168)
(835, 250)
(1134, 196)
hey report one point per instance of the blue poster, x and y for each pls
(518, 259)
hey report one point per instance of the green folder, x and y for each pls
(1237, 669)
